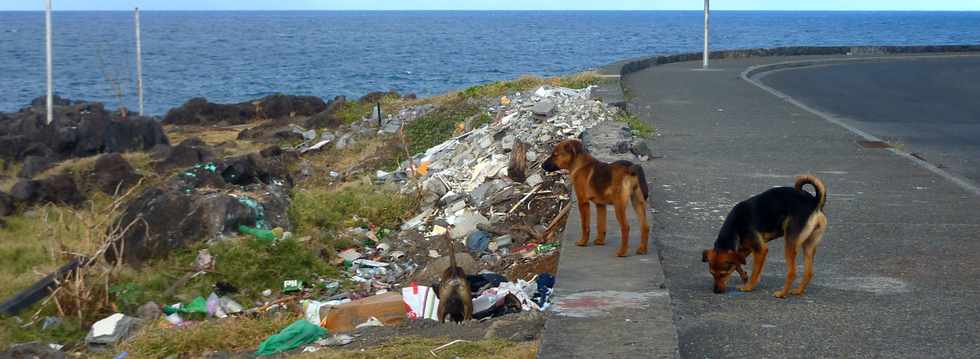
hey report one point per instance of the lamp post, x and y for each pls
(47, 49)
(705, 56)
(139, 60)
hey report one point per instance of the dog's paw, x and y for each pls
(797, 291)
(641, 250)
(744, 288)
(600, 242)
(582, 242)
(781, 294)
(621, 253)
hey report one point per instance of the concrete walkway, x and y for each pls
(606, 306)
(896, 274)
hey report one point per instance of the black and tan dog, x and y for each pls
(455, 299)
(603, 184)
(788, 212)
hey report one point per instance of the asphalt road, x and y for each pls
(927, 106)
(897, 272)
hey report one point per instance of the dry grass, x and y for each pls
(415, 347)
(240, 334)
(215, 136)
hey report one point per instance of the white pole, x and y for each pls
(47, 29)
(705, 56)
(139, 60)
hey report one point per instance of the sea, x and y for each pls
(236, 56)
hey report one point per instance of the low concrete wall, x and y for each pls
(627, 67)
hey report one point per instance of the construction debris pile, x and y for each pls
(488, 186)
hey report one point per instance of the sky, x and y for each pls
(884, 5)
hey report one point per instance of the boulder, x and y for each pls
(32, 350)
(327, 118)
(188, 153)
(112, 172)
(33, 165)
(59, 189)
(79, 129)
(6, 204)
(253, 168)
(167, 220)
(198, 111)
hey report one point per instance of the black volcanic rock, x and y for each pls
(78, 129)
(112, 172)
(198, 111)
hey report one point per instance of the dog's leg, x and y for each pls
(442, 311)
(758, 261)
(583, 210)
(640, 206)
(624, 228)
(791, 244)
(742, 274)
(600, 218)
(810, 250)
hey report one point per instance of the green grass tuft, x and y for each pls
(640, 129)
(318, 209)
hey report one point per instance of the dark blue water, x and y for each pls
(234, 56)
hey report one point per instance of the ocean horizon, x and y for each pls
(233, 56)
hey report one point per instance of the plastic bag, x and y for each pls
(300, 333)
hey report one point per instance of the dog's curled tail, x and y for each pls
(641, 177)
(818, 187)
(452, 251)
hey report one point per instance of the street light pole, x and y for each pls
(139, 60)
(47, 48)
(705, 56)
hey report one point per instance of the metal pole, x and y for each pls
(47, 48)
(705, 56)
(139, 60)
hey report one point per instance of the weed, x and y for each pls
(440, 124)
(353, 111)
(329, 210)
(416, 347)
(639, 128)
(13, 332)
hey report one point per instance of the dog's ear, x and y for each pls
(704, 255)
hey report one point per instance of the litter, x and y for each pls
(109, 331)
(300, 333)
(335, 340)
(388, 308)
(293, 285)
(444, 346)
(372, 322)
(422, 302)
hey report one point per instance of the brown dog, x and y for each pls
(788, 212)
(455, 299)
(603, 184)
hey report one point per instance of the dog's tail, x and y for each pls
(641, 177)
(818, 187)
(452, 251)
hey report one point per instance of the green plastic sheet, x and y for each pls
(300, 333)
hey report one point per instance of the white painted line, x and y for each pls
(747, 75)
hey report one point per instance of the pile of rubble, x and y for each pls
(506, 212)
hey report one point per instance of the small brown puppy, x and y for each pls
(603, 184)
(455, 299)
(788, 212)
